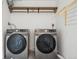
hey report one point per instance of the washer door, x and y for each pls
(46, 43)
(16, 43)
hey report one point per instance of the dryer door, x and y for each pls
(46, 43)
(16, 43)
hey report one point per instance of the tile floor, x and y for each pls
(31, 55)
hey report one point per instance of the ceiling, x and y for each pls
(36, 3)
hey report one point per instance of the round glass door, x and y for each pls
(46, 43)
(16, 43)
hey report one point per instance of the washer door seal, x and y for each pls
(46, 43)
(16, 43)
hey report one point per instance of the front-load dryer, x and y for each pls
(45, 44)
(16, 43)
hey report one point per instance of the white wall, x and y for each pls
(33, 20)
(67, 35)
(5, 16)
(60, 34)
(5, 19)
(71, 34)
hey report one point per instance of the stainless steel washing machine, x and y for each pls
(16, 43)
(45, 44)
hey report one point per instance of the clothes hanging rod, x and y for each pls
(32, 12)
(35, 8)
(54, 9)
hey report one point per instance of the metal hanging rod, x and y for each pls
(33, 9)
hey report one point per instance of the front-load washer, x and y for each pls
(16, 43)
(45, 44)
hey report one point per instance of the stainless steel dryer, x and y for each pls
(16, 43)
(45, 44)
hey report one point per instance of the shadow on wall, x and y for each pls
(59, 43)
(66, 39)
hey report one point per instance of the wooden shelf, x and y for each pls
(33, 9)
